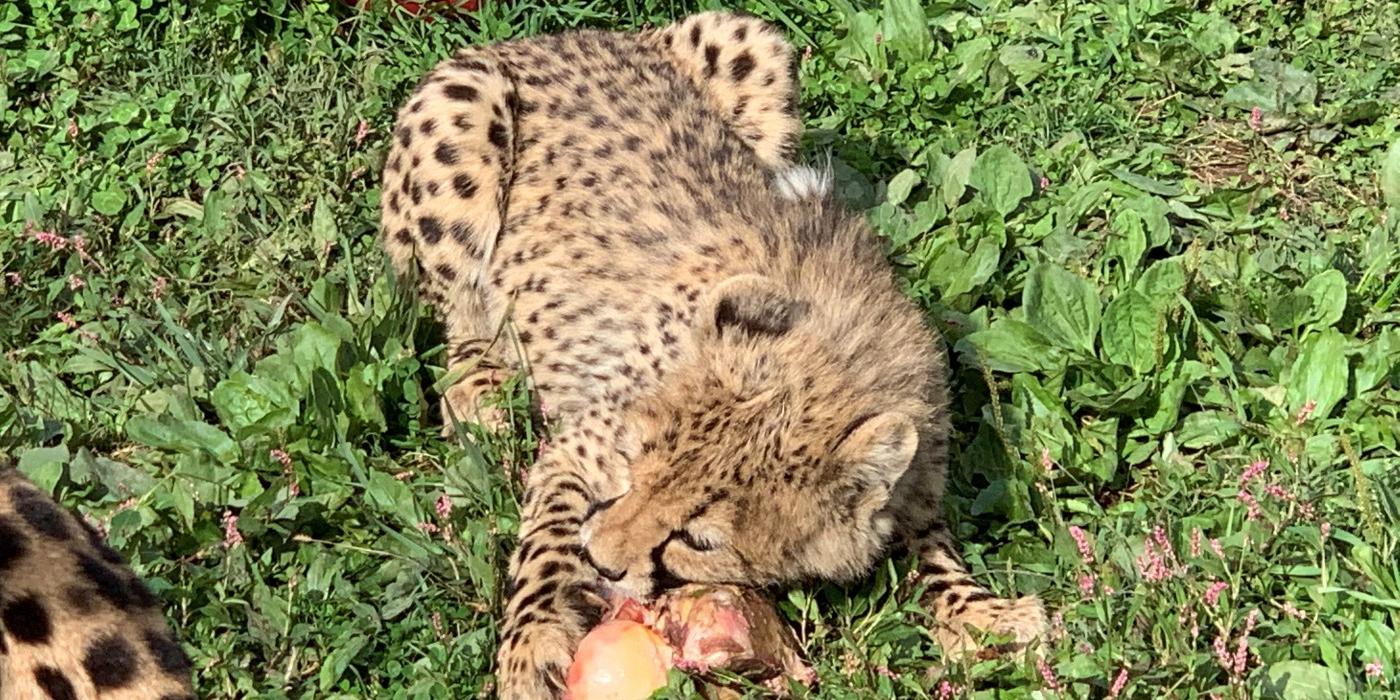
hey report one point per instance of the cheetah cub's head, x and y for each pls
(762, 461)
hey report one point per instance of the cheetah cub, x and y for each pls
(744, 394)
(75, 623)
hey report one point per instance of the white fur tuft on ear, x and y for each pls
(804, 182)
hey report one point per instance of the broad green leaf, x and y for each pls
(1327, 297)
(175, 435)
(1319, 374)
(390, 495)
(109, 201)
(1207, 428)
(956, 177)
(972, 58)
(1390, 176)
(1009, 345)
(244, 401)
(900, 186)
(1002, 178)
(1147, 184)
(1304, 680)
(1024, 61)
(1163, 283)
(43, 465)
(1380, 358)
(323, 229)
(906, 29)
(1062, 306)
(1130, 331)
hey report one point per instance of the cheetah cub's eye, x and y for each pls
(699, 542)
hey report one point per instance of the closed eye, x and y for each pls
(696, 543)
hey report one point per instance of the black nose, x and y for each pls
(609, 574)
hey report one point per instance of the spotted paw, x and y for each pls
(534, 660)
(469, 401)
(1022, 620)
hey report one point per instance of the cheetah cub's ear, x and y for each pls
(879, 449)
(750, 306)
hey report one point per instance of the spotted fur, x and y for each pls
(743, 393)
(75, 623)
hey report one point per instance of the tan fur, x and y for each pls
(72, 615)
(743, 393)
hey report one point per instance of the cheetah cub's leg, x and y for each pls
(554, 598)
(443, 201)
(746, 68)
(962, 607)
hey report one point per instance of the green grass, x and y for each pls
(1145, 284)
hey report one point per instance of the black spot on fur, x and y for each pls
(12, 543)
(428, 127)
(711, 60)
(405, 136)
(54, 683)
(741, 66)
(497, 135)
(463, 185)
(462, 233)
(41, 513)
(403, 236)
(431, 229)
(27, 621)
(457, 91)
(169, 656)
(447, 272)
(741, 33)
(445, 153)
(108, 583)
(111, 663)
(695, 35)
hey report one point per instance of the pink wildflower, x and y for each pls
(1253, 471)
(1305, 412)
(1086, 585)
(51, 240)
(1292, 612)
(428, 528)
(1326, 530)
(1195, 542)
(72, 128)
(1256, 119)
(444, 506)
(232, 537)
(1118, 684)
(947, 690)
(361, 132)
(1044, 183)
(14, 278)
(75, 282)
(885, 671)
(1242, 646)
(158, 288)
(153, 161)
(67, 319)
(1213, 593)
(1374, 671)
(1248, 499)
(1081, 540)
(1048, 674)
(1215, 547)
(281, 457)
(1278, 492)
(1283, 213)
(1158, 559)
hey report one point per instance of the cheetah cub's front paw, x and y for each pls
(1022, 619)
(468, 401)
(532, 664)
